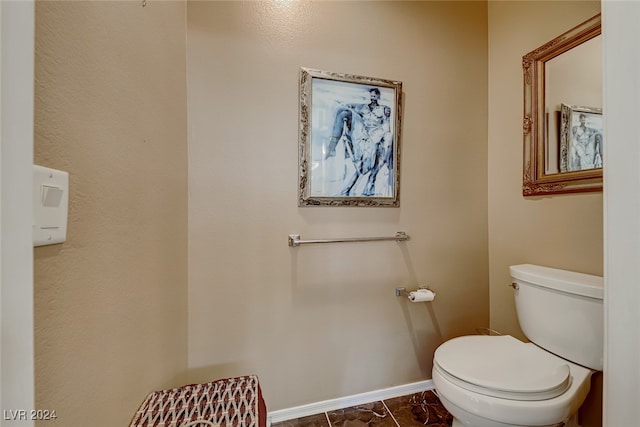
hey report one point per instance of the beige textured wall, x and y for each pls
(563, 231)
(111, 302)
(314, 322)
(320, 322)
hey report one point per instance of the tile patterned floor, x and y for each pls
(414, 410)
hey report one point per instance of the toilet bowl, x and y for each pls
(500, 381)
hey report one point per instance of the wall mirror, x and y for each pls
(562, 124)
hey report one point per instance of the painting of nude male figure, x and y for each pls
(349, 140)
(581, 138)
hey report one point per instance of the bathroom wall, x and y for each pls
(111, 302)
(321, 322)
(562, 231)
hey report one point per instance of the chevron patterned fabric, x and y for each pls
(230, 402)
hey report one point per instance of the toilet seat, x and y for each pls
(502, 367)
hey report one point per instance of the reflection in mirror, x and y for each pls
(575, 77)
(563, 113)
(581, 138)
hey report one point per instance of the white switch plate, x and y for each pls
(50, 205)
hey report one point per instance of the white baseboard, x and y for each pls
(347, 401)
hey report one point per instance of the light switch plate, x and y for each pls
(50, 205)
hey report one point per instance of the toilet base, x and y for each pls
(472, 420)
(463, 418)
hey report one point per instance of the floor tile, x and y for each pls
(318, 420)
(419, 409)
(370, 414)
(413, 410)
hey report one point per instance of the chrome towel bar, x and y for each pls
(294, 239)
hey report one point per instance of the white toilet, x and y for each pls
(496, 381)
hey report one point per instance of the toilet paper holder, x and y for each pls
(402, 292)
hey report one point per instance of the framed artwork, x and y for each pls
(581, 138)
(349, 148)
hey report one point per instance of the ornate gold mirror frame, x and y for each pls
(537, 179)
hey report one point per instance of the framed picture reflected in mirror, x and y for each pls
(581, 138)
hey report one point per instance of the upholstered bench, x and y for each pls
(223, 403)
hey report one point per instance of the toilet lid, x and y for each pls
(504, 367)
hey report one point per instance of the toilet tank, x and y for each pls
(562, 312)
